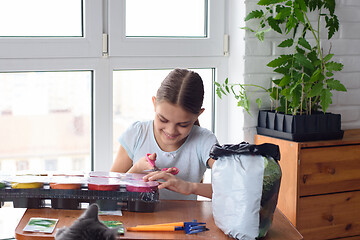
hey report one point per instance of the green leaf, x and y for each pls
(282, 70)
(302, 5)
(274, 24)
(335, 85)
(317, 76)
(274, 93)
(291, 23)
(299, 15)
(316, 89)
(259, 102)
(304, 43)
(247, 29)
(286, 43)
(317, 63)
(218, 92)
(304, 61)
(277, 62)
(245, 103)
(227, 88)
(325, 99)
(286, 93)
(300, 50)
(312, 56)
(269, 2)
(328, 57)
(289, 3)
(285, 81)
(330, 5)
(295, 30)
(313, 4)
(334, 66)
(332, 24)
(296, 96)
(276, 82)
(254, 14)
(260, 34)
(297, 75)
(297, 83)
(329, 74)
(283, 12)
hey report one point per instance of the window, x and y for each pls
(50, 29)
(41, 18)
(165, 18)
(202, 35)
(47, 117)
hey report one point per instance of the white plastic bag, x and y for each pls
(237, 183)
(237, 187)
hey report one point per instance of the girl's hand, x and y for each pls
(142, 165)
(170, 181)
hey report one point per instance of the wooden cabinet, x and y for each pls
(320, 186)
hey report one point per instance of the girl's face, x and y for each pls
(172, 124)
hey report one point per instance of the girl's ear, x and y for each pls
(154, 102)
(201, 111)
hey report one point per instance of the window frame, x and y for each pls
(90, 45)
(120, 45)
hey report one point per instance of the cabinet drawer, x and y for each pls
(329, 216)
(329, 169)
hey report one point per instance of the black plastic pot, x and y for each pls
(300, 128)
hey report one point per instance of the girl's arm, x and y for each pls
(124, 164)
(204, 189)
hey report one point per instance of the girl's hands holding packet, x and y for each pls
(170, 181)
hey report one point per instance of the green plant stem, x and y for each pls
(317, 37)
(247, 85)
(264, 17)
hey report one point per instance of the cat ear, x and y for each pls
(92, 211)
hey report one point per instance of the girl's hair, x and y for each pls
(184, 88)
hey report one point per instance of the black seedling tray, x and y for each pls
(71, 199)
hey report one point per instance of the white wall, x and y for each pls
(347, 48)
(248, 59)
(236, 67)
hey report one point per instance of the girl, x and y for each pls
(174, 137)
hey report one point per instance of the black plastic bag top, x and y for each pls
(265, 149)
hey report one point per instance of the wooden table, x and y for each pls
(166, 211)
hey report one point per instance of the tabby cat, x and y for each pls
(87, 227)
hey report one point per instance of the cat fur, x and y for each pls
(87, 227)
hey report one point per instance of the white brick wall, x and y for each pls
(345, 44)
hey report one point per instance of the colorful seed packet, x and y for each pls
(44, 225)
(115, 224)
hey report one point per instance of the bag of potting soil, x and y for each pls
(245, 182)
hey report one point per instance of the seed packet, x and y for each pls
(45, 225)
(115, 224)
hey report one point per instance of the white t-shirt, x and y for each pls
(191, 158)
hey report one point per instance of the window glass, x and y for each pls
(132, 93)
(166, 18)
(41, 18)
(46, 119)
